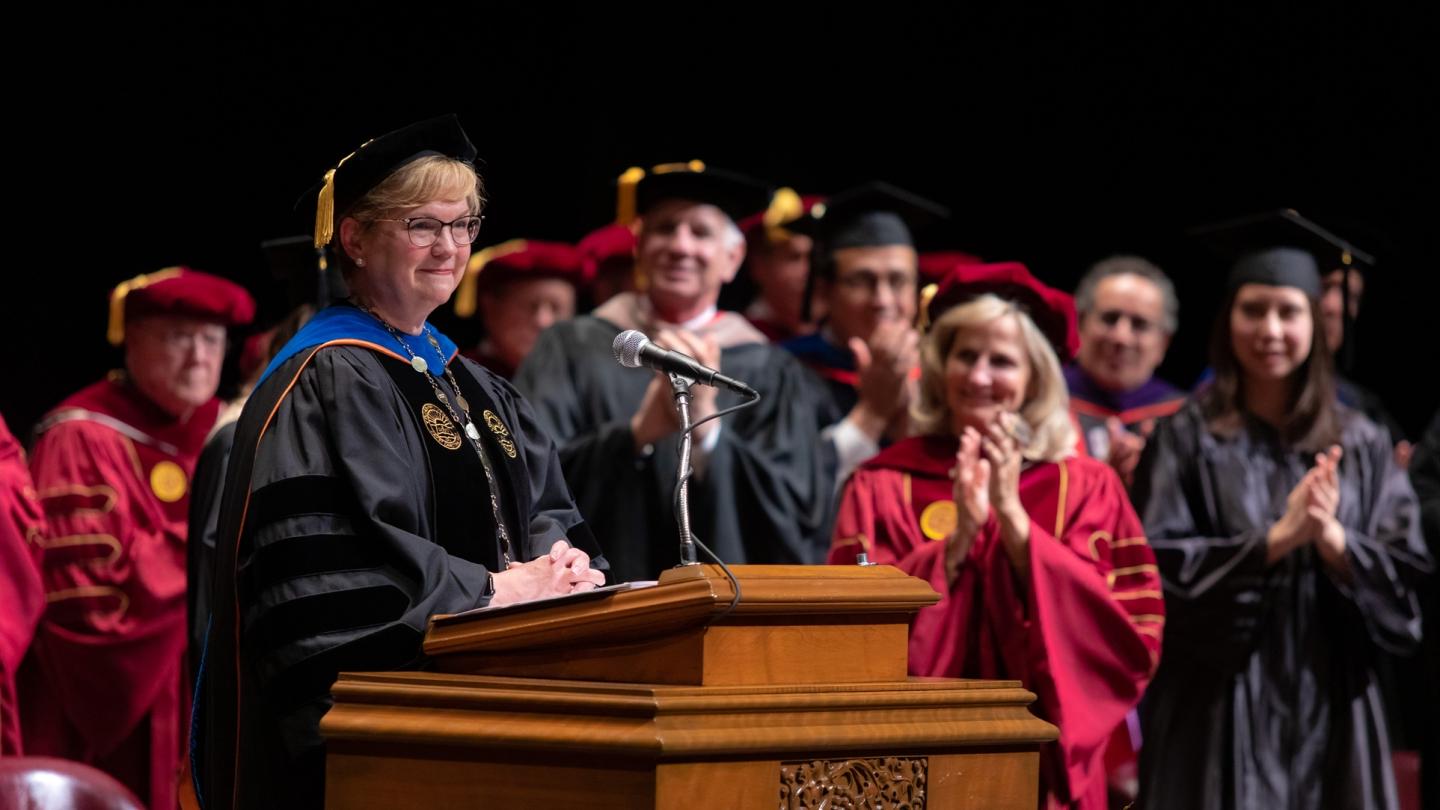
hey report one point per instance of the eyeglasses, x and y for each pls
(868, 281)
(424, 231)
(209, 337)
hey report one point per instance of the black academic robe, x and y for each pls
(352, 513)
(206, 491)
(765, 493)
(834, 370)
(1401, 681)
(1425, 475)
(1266, 694)
(1356, 396)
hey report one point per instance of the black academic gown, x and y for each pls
(205, 493)
(1425, 475)
(346, 523)
(765, 493)
(834, 372)
(1266, 696)
(1358, 397)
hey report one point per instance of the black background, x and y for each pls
(156, 137)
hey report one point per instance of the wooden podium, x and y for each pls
(641, 699)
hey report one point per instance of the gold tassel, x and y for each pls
(922, 318)
(625, 185)
(466, 296)
(785, 207)
(115, 332)
(696, 166)
(325, 212)
(325, 204)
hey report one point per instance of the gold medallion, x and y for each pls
(939, 519)
(167, 481)
(502, 433)
(442, 430)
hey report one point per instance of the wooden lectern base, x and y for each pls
(764, 731)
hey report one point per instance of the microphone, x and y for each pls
(633, 350)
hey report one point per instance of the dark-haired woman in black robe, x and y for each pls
(1289, 547)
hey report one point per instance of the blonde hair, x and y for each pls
(1046, 408)
(433, 177)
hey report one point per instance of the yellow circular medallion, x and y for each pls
(167, 481)
(442, 430)
(938, 520)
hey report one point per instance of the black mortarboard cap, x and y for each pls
(734, 193)
(1285, 228)
(1277, 267)
(872, 215)
(378, 158)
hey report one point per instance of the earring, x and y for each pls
(360, 262)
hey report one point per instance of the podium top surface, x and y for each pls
(688, 597)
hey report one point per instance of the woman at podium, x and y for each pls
(377, 479)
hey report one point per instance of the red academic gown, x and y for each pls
(1083, 633)
(22, 598)
(105, 683)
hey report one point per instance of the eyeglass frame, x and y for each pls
(448, 226)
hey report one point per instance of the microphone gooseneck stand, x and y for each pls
(632, 350)
(681, 385)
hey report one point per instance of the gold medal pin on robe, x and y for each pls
(501, 432)
(938, 520)
(442, 430)
(168, 482)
